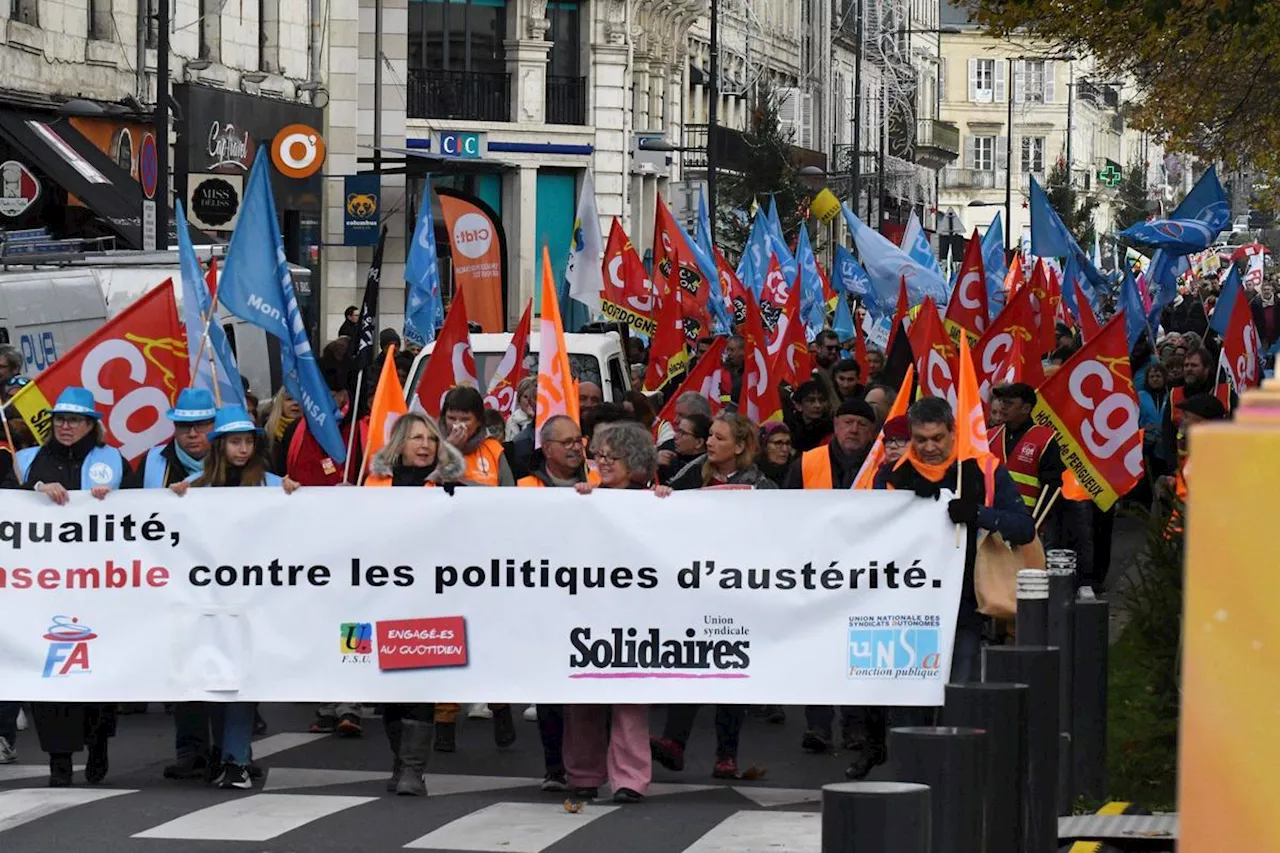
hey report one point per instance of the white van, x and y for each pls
(595, 357)
(49, 305)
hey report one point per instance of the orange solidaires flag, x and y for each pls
(867, 473)
(557, 389)
(388, 405)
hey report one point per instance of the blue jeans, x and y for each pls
(237, 732)
(9, 721)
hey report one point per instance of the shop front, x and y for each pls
(220, 134)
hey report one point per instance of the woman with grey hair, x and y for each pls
(611, 742)
(415, 455)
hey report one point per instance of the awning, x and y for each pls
(77, 165)
(417, 161)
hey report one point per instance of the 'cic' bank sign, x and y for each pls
(461, 144)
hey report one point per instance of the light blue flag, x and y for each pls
(994, 266)
(850, 276)
(754, 265)
(1051, 239)
(813, 307)
(1130, 303)
(886, 265)
(916, 244)
(1163, 272)
(1070, 277)
(424, 305)
(778, 243)
(1194, 225)
(257, 287)
(842, 324)
(1231, 291)
(196, 305)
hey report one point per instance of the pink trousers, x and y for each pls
(619, 754)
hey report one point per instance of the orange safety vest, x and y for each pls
(1024, 463)
(815, 468)
(533, 481)
(482, 463)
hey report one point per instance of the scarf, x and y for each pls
(282, 426)
(932, 473)
(192, 464)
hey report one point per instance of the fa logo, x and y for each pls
(68, 647)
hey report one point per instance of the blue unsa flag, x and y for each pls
(257, 287)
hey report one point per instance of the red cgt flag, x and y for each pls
(759, 399)
(707, 379)
(628, 292)
(967, 310)
(935, 354)
(507, 376)
(135, 366)
(789, 358)
(1088, 322)
(1091, 404)
(451, 363)
(1241, 346)
(1016, 323)
(735, 293)
(667, 354)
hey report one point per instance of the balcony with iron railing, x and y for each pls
(566, 100)
(463, 95)
(937, 143)
(972, 179)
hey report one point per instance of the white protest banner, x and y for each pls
(413, 595)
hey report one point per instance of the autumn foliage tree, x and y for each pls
(1208, 70)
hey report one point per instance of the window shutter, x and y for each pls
(1000, 66)
(1019, 81)
(942, 80)
(1002, 160)
(969, 156)
(973, 80)
(1048, 81)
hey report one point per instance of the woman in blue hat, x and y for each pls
(237, 457)
(74, 457)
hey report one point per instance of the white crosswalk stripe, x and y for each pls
(512, 827)
(27, 804)
(763, 832)
(257, 818)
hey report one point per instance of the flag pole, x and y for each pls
(1047, 507)
(354, 408)
(213, 368)
(204, 338)
(8, 436)
(959, 491)
(364, 467)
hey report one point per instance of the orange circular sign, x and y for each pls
(298, 151)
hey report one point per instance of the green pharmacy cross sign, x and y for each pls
(1110, 175)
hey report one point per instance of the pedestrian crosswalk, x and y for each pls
(460, 815)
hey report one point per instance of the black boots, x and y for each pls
(415, 747)
(60, 770)
(446, 737)
(395, 728)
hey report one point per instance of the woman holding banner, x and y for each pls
(611, 743)
(237, 457)
(75, 457)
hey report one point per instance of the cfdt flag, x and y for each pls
(257, 287)
(1194, 225)
(203, 353)
(424, 305)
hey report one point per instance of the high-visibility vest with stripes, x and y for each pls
(533, 481)
(1023, 463)
(815, 468)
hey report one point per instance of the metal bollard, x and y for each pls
(952, 762)
(1089, 738)
(1033, 608)
(1000, 710)
(1036, 667)
(876, 817)
(1062, 628)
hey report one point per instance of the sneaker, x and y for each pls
(555, 780)
(815, 741)
(726, 768)
(325, 725)
(504, 727)
(531, 714)
(8, 755)
(774, 715)
(479, 712)
(626, 796)
(349, 726)
(234, 776)
(667, 752)
(192, 767)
